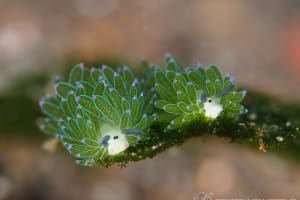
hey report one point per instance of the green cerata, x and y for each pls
(103, 115)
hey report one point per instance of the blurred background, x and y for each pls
(256, 41)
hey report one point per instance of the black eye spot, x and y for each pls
(209, 100)
(116, 137)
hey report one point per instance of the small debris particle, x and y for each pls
(262, 147)
(252, 124)
(50, 145)
(252, 116)
(279, 138)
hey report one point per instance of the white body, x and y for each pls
(212, 108)
(117, 142)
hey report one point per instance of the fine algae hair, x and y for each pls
(111, 116)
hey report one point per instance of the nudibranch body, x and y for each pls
(101, 115)
(187, 95)
(212, 108)
(97, 114)
(115, 141)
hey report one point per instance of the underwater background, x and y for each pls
(258, 42)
